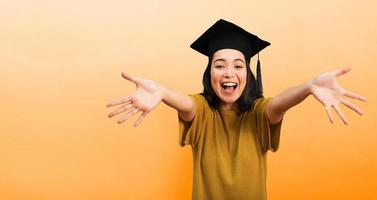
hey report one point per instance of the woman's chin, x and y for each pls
(229, 99)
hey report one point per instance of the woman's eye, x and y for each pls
(239, 67)
(218, 66)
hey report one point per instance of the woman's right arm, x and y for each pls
(147, 96)
(184, 105)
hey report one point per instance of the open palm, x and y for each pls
(327, 91)
(144, 99)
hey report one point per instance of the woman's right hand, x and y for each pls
(145, 98)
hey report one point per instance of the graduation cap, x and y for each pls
(226, 35)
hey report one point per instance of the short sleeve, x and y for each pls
(189, 131)
(269, 135)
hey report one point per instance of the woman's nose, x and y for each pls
(229, 73)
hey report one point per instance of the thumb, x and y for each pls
(130, 78)
(342, 71)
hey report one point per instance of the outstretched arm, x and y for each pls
(147, 96)
(324, 88)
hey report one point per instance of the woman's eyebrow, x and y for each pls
(222, 59)
(239, 60)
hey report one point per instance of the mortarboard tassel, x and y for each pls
(259, 86)
(259, 80)
(259, 76)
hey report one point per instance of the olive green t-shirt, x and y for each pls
(229, 150)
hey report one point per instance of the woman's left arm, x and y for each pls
(324, 88)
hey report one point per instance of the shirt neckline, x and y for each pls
(229, 112)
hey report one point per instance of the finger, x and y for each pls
(128, 115)
(140, 119)
(340, 113)
(352, 106)
(121, 109)
(115, 102)
(354, 95)
(130, 78)
(328, 111)
(342, 71)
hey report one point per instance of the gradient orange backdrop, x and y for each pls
(61, 63)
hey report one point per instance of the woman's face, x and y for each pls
(228, 75)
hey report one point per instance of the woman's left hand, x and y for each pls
(327, 91)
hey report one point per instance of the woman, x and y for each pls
(231, 126)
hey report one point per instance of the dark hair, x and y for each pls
(244, 102)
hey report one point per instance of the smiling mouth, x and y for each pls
(229, 87)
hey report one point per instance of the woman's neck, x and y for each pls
(229, 107)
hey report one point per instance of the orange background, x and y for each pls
(61, 63)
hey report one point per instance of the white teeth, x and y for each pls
(229, 84)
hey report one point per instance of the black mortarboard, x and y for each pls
(224, 35)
